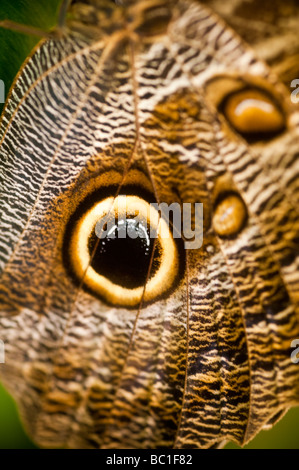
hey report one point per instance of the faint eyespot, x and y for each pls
(230, 215)
(122, 251)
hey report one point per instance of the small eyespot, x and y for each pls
(110, 249)
(155, 20)
(253, 114)
(230, 215)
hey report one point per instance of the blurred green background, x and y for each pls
(284, 435)
(14, 48)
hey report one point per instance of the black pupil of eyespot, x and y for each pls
(124, 252)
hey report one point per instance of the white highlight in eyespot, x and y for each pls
(252, 103)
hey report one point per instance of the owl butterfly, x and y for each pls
(127, 344)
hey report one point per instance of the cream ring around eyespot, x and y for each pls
(124, 206)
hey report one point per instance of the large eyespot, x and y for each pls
(230, 215)
(253, 113)
(118, 246)
(252, 107)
